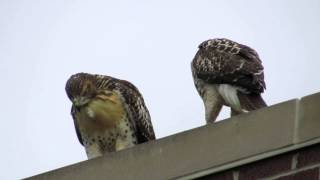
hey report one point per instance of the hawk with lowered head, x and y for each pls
(228, 73)
(109, 114)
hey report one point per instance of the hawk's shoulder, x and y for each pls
(222, 61)
(138, 112)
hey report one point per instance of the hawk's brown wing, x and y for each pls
(228, 62)
(140, 115)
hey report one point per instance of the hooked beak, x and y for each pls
(80, 101)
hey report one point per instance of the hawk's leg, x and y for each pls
(234, 112)
(213, 103)
(212, 113)
(123, 143)
(93, 151)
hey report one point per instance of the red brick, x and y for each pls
(267, 167)
(308, 156)
(226, 175)
(311, 174)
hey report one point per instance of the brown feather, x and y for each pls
(251, 102)
(101, 104)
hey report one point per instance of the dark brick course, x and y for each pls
(311, 174)
(225, 175)
(308, 156)
(267, 167)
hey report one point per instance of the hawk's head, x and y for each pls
(92, 99)
(81, 88)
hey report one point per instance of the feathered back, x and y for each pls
(222, 61)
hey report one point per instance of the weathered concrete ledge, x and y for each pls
(208, 149)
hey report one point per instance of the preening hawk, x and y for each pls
(109, 114)
(228, 73)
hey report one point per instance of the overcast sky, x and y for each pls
(149, 43)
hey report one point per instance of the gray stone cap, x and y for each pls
(208, 149)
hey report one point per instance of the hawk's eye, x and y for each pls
(88, 89)
(85, 91)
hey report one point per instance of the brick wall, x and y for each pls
(301, 164)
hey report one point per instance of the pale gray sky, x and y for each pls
(151, 44)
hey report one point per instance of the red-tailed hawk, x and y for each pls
(228, 73)
(109, 114)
